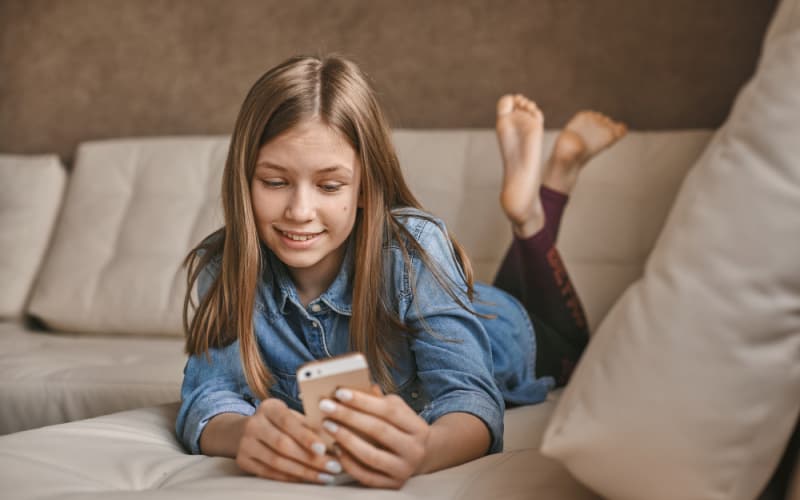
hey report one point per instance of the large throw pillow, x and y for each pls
(31, 188)
(133, 209)
(691, 386)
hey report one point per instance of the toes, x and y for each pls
(505, 104)
(530, 106)
(512, 102)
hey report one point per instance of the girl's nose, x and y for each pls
(301, 206)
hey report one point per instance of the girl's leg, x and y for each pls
(534, 201)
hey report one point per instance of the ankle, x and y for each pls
(561, 177)
(530, 227)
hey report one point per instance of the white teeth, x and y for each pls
(299, 237)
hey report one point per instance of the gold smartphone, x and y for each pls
(319, 380)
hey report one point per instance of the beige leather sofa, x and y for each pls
(109, 291)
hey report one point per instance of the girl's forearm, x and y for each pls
(222, 435)
(454, 439)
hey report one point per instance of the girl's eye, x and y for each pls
(273, 184)
(330, 188)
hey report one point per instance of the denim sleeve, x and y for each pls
(212, 384)
(451, 346)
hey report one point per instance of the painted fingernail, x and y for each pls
(325, 478)
(318, 448)
(327, 405)
(344, 394)
(330, 426)
(333, 467)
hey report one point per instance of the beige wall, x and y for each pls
(72, 70)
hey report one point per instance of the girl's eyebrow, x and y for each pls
(332, 168)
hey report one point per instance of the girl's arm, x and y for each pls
(454, 439)
(222, 435)
(383, 441)
(451, 348)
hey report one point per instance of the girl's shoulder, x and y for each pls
(429, 232)
(418, 222)
(431, 248)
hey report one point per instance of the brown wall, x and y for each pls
(72, 70)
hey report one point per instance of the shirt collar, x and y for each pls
(338, 296)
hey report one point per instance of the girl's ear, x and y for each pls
(360, 202)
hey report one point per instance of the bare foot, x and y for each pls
(586, 134)
(519, 132)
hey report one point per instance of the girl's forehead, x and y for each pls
(311, 143)
(312, 132)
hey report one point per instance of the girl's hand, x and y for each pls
(382, 441)
(276, 444)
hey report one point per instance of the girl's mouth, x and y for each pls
(299, 237)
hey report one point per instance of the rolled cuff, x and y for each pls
(190, 427)
(472, 402)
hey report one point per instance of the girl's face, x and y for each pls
(305, 194)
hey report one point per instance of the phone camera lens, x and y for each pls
(308, 373)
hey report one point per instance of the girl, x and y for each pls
(325, 251)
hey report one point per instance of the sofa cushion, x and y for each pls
(31, 189)
(133, 210)
(691, 386)
(135, 454)
(49, 379)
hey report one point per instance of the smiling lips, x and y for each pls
(305, 236)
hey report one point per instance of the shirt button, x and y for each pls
(414, 395)
(314, 324)
(316, 308)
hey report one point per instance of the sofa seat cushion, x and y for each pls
(135, 454)
(48, 379)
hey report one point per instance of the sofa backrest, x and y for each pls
(31, 190)
(135, 207)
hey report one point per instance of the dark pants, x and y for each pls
(533, 272)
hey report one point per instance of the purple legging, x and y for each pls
(533, 272)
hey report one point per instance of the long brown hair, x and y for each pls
(335, 91)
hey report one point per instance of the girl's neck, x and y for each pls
(311, 282)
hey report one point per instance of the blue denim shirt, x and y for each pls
(457, 362)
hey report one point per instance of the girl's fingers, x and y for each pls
(378, 459)
(257, 459)
(390, 408)
(399, 434)
(292, 424)
(262, 470)
(367, 476)
(371, 427)
(278, 448)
